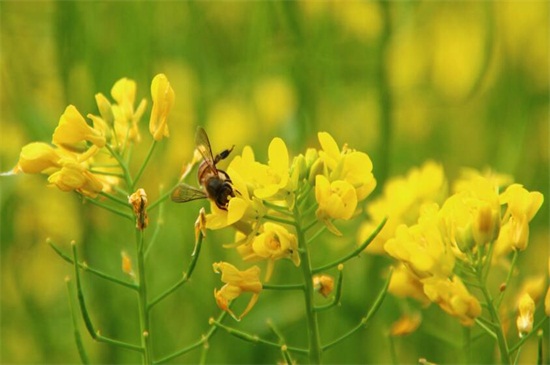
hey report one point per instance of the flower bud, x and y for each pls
(138, 200)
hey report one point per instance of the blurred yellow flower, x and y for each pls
(522, 206)
(275, 101)
(236, 283)
(421, 247)
(126, 118)
(75, 176)
(163, 100)
(39, 157)
(526, 309)
(401, 201)
(471, 217)
(453, 297)
(406, 325)
(72, 131)
(404, 284)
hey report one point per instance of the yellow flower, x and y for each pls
(404, 284)
(275, 177)
(236, 283)
(526, 309)
(242, 211)
(349, 165)
(406, 325)
(472, 217)
(522, 206)
(337, 200)
(163, 99)
(126, 118)
(73, 130)
(75, 176)
(38, 157)
(453, 297)
(421, 247)
(272, 243)
(401, 201)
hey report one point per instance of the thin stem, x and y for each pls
(123, 166)
(282, 342)
(283, 286)
(365, 320)
(186, 276)
(78, 339)
(109, 208)
(204, 339)
(160, 223)
(142, 301)
(316, 234)
(116, 199)
(314, 339)
(162, 198)
(393, 353)
(90, 269)
(280, 220)
(501, 338)
(527, 336)
(355, 252)
(84, 311)
(508, 277)
(144, 164)
(278, 208)
(255, 339)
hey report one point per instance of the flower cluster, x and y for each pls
(271, 199)
(82, 155)
(453, 240)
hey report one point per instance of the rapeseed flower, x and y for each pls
(163, 99)
(421, 247)
(236, 283)
(401, 200)
(526, 309)
(453, 297)
(72, 132)
(521, 207)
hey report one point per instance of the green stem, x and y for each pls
(160, 223)
(280, 220)
(355, 252)
(508, 277)
(162, 198)
(501, 337)
(204, 339)
(314, 339)
(116, 199)
(123, 166)
(365, 320)
(144, 164)
(90, 269)
(109, 208)
(186, 276)
(527, 336)
(467, 336)
(86, 317)
(78, 339)
(142, 301)
(283, 286)
(254, 338)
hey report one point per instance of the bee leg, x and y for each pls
(223, 155)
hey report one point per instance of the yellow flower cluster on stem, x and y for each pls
(279, 209)
(450, 248)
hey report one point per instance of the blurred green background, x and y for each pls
(465, 84)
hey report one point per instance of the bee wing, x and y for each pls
(184, 193)
(203, 146)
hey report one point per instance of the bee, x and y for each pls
(216, 183)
